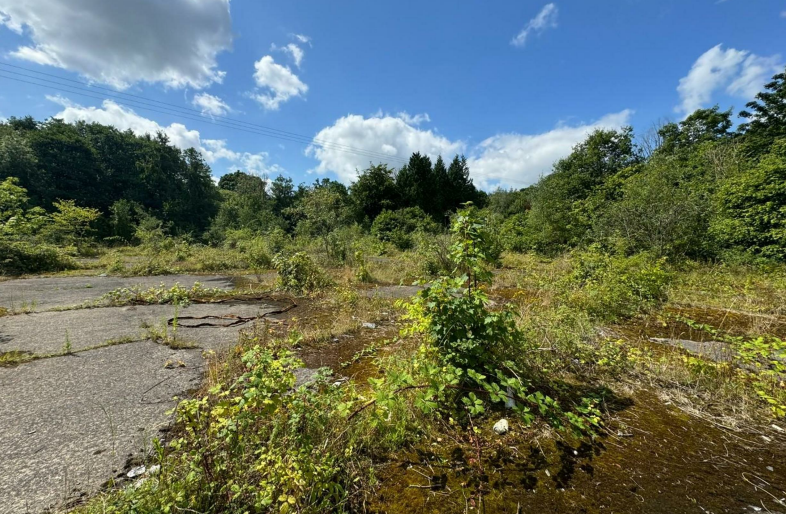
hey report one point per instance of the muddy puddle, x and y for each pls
(654, 458)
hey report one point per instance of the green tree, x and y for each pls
(753, 207)
(700, 127)
(282, 193)
(71, 224)
(373, 192)
(322, 211)
(459, 188)
(661, 209)
(416, 184)
(17, 158)
(558, 218)
(766, 116)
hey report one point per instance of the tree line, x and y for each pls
(699, 188)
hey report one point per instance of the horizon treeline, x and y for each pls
(699, 188)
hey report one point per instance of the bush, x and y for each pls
(473, 356)
(299, 274)
(662, 210)
(398, 226)
(21, 257)
(513, 235)
(609, 287)
(753, 208)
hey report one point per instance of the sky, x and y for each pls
(311, 89)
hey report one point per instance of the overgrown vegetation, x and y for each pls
(620, 268)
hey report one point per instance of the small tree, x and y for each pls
(478, 351)
(71, 224)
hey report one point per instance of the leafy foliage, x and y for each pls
(610, 287)
(398, 227)
(753, 207)
(470, 352)
(299, 274)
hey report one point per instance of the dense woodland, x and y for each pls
(700, 188)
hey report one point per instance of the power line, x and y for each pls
(161, 107)
(172, 109)
(188, 110)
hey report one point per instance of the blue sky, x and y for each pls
(511, 84)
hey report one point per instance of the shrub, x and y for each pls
(753, 207)
(513, 235)
(20, 257)
(398, 226)
(609, 287)
(662, 209)
(299, 274)
(473, 356)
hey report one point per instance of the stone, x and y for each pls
(369, 325)
(135, 472)
(501, 427)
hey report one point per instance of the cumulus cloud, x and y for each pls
(293, 50)
(389, 136)
(511, 160)
(211, 104)
(276, 82)
(303, 39)
(546, 19)
(417, 119)
(122, 118)
(174, 42)
(737, 72)
(518, 160)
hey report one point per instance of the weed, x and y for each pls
(176, 295)
(15, 357)
(299, 274)
(67, 347)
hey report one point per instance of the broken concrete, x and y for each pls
(48, 332)
(71, 422)
(41, 294)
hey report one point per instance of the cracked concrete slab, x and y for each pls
(47, 332)
(70, 423)
(45, 293)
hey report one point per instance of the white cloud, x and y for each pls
(174, 42)
(296, 52)
(546, 19)
(517, 160)
(513, 160)
(738, 72)
(277, 82)
(414, 120)
(211, 104)
(385, 135)
(179, 135)
(303, 39)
